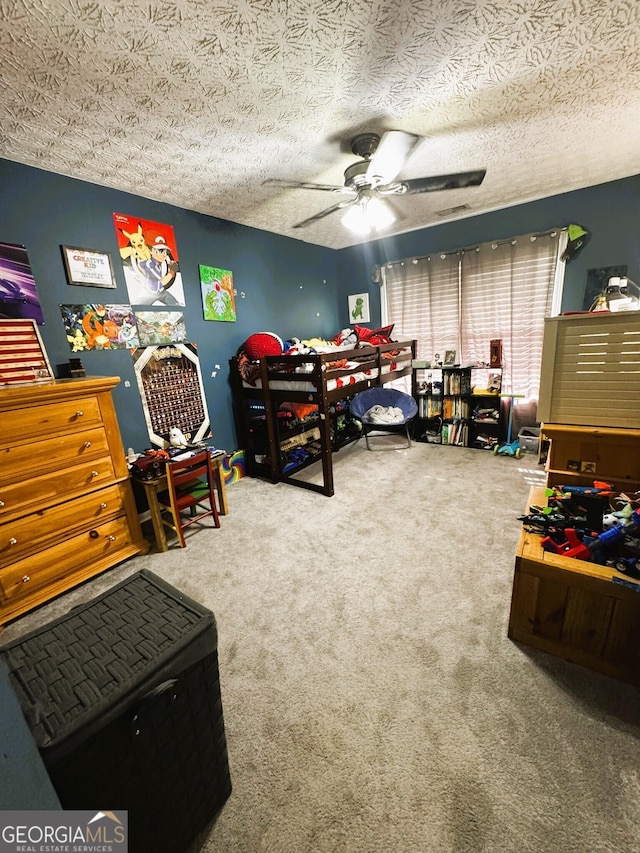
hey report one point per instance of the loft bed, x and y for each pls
(294, 412)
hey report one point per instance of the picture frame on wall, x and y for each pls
(88, 267)
(359, 308)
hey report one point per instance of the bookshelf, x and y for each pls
(458, 405)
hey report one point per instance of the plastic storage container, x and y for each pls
(122, 696)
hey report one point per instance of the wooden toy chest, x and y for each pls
(580, 611)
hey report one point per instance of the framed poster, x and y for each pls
(86, 266)
(359, 308)
(22, 353)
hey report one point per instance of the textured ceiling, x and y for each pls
(197, 102)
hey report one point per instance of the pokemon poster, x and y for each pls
(99, 327)
(218, 299)
(149, 260)
(161, 327)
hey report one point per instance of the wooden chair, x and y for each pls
(190, 483)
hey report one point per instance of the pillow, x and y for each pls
(374, 336)
(262, 343)
(300, 410)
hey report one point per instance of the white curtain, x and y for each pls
(463, 300)
(423, 302)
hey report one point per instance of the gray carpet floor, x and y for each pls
(372, 699)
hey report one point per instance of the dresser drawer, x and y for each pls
(34, 422)
(30, 533)
(97, 546)
(24, 460)
(43, 490)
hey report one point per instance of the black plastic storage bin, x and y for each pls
(122, 696)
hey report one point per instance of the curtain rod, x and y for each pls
(494, 245)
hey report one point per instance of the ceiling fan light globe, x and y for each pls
(379, 214)
(355, 219)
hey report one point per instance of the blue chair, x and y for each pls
(361, 408)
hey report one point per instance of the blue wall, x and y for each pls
(609, 212)
(287, 283)
(290, 287)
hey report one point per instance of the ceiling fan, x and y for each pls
(370, 181)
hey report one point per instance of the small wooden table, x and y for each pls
(159, 484)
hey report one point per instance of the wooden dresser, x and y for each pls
(67, 510)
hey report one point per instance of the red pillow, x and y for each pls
(374, 336)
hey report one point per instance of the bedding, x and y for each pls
(395, 360)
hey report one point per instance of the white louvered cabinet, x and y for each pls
(67, 510)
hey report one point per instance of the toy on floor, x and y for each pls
(512, 449)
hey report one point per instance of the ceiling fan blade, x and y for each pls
(390, 156)
(303, 185)
(339, 206)
(459, 180)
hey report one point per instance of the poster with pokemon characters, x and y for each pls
(99, 327)
(218, 296)
(149, 260)
(160, 327)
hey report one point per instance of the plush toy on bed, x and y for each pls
(345, 337)
(261, 344)
(296, 347)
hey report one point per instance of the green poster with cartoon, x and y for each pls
(218, 298)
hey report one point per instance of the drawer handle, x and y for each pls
(1, 503)
(26, 579)
(111, 538)
(13, 541)
(95, 473)
(87, 444)
(103, 506)
(79, 414)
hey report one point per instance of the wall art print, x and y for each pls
(218, 297)
(161, 327)
(149, 258)
(359, 308)
(597, 280)
(18, 292)
(172, 391)
(99, 327)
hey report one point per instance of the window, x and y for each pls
(462, 300)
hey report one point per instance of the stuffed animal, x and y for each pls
(261, 344)
(345, 337)
(177, 438)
